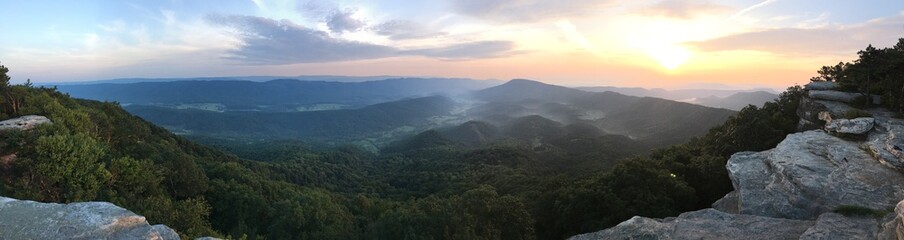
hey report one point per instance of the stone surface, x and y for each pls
(703, 224)
(812, 112)
(88, 220)
(850, 126)
(830, 95)
(798, 184)
(894, 227)
(886, 144)
(728, 203)
(810, 173)
(23, 123)
(836, 226)
(820, 85)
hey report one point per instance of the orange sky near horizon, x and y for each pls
(646, 43)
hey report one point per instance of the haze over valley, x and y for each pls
(452, 119)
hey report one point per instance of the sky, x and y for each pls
(636, 43)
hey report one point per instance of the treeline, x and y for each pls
(436, 189)
(875, 71)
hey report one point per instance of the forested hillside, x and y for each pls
(436, 187)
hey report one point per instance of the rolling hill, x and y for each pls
(643, 118)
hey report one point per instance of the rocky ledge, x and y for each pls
(23, 123)
(842, 179)
(87, 220)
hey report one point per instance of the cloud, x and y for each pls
(684, 9)
(751, 8)
(526, 10)
(342, 21)
(571, 32)
(267, 41)
(401, 29)
(822, 40)
(471, 50)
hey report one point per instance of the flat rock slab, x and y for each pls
(23, 123)
(703, 224)
(830, 226)
(87, 220)
(856, 126)
(811, 173)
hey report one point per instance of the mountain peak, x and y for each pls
(522, 89)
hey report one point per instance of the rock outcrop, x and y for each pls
(708, 223)
(839, 96)
(87, 220)
(810, 173)
(799, 189)
(814, 112)
(854, 126)
(821, 86)
(23, 123)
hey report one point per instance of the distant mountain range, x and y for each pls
(375, 113)
(728, 99)
(645, 118)
(281, 95)
(324, 78)
(736, 101)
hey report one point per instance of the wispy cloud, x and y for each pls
(683, 9)
(267, 41)
(754, 7)
(571, 32)
(401, 29)
(526, 10)
(827, 39)
(464, 51)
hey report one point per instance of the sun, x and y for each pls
(670, 57)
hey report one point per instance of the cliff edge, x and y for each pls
(840, 177)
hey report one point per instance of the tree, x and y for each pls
(13, 96)
(67, 168)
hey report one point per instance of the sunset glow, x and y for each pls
(665, 43)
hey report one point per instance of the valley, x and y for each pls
(451, 120)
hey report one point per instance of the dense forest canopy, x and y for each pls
(435, 189)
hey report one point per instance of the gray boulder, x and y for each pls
(87, 220)
(810, 173)
(703, 224)
(855, 126)
(836, 226)
(728, 203)
(820, 86)
(23, 123)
